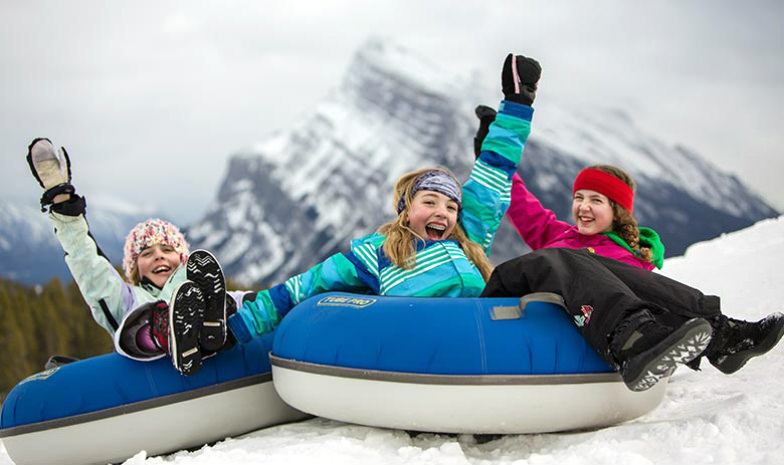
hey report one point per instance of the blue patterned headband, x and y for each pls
(438, 181)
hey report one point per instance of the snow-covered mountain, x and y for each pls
(29, 251)
(303, 193)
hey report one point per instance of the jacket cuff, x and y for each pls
(516, 109)
(238, 329)
(74, 206)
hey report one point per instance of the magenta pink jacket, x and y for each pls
(540, 229)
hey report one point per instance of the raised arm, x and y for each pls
(535, 224)
(104, 290)
(487, 193)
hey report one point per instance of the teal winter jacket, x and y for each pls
(441, 269)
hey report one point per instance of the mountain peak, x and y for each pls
(388, 67)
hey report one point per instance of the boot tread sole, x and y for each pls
(680, 347)
(204, 270)
(183, 328)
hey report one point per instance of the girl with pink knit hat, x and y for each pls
(137, 310)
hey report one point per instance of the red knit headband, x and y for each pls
(607, 184)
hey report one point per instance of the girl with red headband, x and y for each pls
(641, 322)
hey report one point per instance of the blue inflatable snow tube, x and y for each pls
(108, 408)
(441, 336)
(111, 380)
(448, 365)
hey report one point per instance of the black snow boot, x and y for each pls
(175, 328)
(648, 351)
(736, 341)
(204, 270)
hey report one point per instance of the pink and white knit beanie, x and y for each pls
(152, 232)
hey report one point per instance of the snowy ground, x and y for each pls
(706, 417)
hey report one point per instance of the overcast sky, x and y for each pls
(152, 96)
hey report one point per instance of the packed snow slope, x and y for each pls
(706, 417)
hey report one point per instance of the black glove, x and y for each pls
(74, 206)
(520, 78)
(486, 116)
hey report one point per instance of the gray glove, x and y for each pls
(52, 169)
(49, 166)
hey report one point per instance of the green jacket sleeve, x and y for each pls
(487, 193)
(263, 313)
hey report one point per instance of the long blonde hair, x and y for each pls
(624, 223)
(400, 240)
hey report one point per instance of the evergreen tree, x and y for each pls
(41, 321)
(38, 322)
(86, 338)
(12, 346)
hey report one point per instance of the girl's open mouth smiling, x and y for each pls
(435, 231)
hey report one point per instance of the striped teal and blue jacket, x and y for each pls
(442, 268)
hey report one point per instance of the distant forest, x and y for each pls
(40, 321)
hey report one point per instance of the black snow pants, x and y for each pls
(599, 292)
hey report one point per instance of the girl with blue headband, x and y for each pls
(437, 245)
